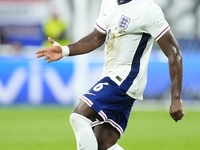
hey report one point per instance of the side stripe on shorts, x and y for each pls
(85, 99)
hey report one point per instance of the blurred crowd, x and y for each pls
(30, 22)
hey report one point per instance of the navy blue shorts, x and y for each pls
(110, 102)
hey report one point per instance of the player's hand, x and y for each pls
(52, 53)
(176, 110)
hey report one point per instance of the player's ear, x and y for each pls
(51, 40)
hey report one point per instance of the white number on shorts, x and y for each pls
(99, 86)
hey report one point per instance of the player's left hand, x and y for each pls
(176, 110)
(52, 53)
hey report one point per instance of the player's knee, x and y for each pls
(78, 121)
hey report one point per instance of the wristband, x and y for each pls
(65, 51)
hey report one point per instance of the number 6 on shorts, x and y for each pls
(99, 86)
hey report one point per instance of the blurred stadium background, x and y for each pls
(27, 82)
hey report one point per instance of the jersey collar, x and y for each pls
(124, 2)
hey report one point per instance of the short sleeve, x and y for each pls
(154, 22)
(100, 25)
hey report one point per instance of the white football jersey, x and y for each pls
(131, 28)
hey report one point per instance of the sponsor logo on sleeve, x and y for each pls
(158, 21)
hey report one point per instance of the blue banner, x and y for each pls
(33, 81)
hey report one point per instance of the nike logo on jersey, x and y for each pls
(104, 14)
(90, 93)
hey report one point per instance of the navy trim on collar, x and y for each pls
(124, 2)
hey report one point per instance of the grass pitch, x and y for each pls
(48, 128)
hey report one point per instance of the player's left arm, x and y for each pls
(170, 48)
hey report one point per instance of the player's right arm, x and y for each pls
(88, 43)
(85, 45)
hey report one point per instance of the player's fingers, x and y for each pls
(51, 40)
(173, 117)
(178, 115)
(46, 57)
(49, 60)
(40, 55)
(41, 51)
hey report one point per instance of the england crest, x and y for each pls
(124, 22)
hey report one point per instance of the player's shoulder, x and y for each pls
(147, 3)
(145, 6)
(152, 6)
(149, 7)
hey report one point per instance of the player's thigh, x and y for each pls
(83, 109)
(106, 135)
